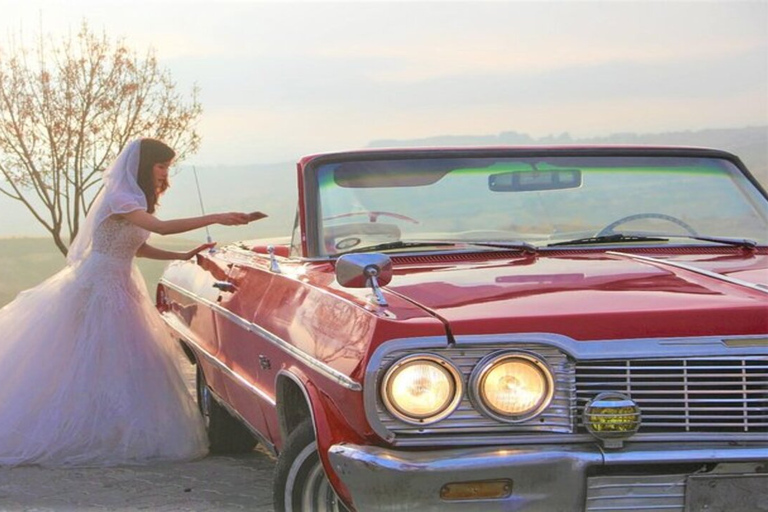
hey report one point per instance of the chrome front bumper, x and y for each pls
(543, 478)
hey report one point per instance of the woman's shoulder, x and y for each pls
(118, 218)
(126, 217)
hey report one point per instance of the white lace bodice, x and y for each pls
(118, 238)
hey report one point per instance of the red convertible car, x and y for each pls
(531, 329)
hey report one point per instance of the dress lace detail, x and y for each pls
(118, 237)
(90, 373)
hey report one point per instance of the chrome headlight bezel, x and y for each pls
(490, 362)
(451, 372)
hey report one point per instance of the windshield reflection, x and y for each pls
(538, 201)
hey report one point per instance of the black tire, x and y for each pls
(226, 434)
(300, 484)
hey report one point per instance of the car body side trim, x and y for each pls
(288, 375)
(310, 361)
(691, 268)
(179, 327)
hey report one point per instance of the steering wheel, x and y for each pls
(609, 229)
(372, 216)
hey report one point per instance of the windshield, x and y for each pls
(535, 200)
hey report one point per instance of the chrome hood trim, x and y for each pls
(691, 268)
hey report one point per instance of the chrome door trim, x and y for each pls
(691, 268)
(310, 361)
(179, 327)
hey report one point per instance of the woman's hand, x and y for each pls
(232, 218)
(200, 248)
(171, 227)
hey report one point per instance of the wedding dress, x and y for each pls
(89, 376)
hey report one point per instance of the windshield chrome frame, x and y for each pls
(311, 203)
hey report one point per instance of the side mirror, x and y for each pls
(365, 270)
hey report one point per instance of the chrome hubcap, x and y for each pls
(318, 493)
(307, 487)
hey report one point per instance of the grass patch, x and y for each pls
(26, 262)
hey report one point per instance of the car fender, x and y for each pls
(327, 419)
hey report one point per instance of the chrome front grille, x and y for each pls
(636, 493)
(685, 389)
(684, 395)
(467, 419)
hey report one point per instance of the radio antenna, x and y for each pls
(202, 208)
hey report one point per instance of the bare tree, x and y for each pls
(68, 108)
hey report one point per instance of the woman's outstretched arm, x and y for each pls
(153, 253)
(170, 227)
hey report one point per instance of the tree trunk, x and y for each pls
(60, 243)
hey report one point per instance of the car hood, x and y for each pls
(593, 295)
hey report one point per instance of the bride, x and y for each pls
(89, 374)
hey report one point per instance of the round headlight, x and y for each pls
(513, 387)
(421, 389)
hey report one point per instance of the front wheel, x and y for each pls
(225, 433)
(300, 484)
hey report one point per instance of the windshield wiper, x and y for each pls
(608, 239)
(401, 244)
(519, 245)
(746, 243)
(398, 244)
(619, 237)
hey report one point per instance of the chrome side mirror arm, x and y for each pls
(365, 270)
(372, 272)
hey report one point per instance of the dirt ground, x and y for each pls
(215, 483)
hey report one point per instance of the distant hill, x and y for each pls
(750, 144)
(272, 187)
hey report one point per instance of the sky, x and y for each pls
(279, 80)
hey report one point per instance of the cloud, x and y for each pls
(278, 79)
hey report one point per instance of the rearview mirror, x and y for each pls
(528, 181)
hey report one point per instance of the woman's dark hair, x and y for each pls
(152, 152)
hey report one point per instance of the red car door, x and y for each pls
(242, 345)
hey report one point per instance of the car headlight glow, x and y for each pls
(513, 386)
(421, 389)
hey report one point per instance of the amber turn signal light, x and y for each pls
(477, 490)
